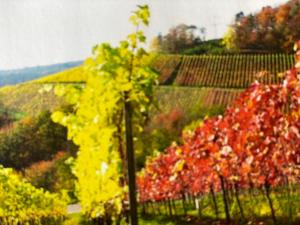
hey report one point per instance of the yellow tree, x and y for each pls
(112, 104)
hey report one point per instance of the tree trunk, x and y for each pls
(119, 124)
(198, 204)
(214, 201)
(166, 207)
(290, 202)
(170, 208)
(108, 220)
(130, 160)
(184, 204)
(143, 209)
(225, 200)
(238, 200)
(158, 207)
(267, 187)
(153, 208)
(229, 192)
(174, 206)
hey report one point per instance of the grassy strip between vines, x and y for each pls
(200, 210)
(77, 219)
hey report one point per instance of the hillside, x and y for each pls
(190, 98)
(21, 75)
(72, 75)
(188, 81)
(222, 71)
(27, 99)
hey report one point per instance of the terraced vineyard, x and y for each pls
(225, 71)
(166, 65)
(221, 71)
(203, 81)
(28, 99)
(187, 98)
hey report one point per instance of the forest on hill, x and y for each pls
(272, 29)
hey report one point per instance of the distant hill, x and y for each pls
(72, 75)
(8, 77)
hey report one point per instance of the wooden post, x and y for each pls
(130, 160)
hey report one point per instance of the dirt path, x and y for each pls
(74, 208)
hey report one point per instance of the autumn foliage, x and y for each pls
(271, 29)
(255, 144)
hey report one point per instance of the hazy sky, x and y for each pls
(40, 32)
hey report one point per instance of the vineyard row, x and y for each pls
(224, 71)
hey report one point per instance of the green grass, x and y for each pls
(77, 219)
(256, 209)
(166, 220)
(73, 219)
